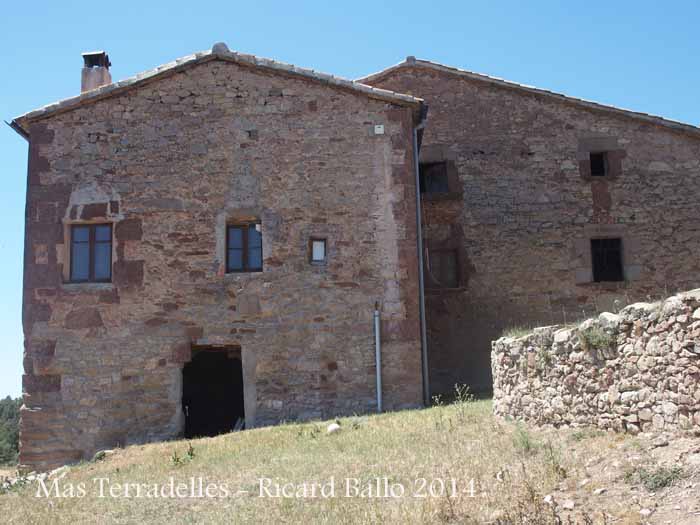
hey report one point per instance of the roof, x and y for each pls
(218, 52)
(412, 62)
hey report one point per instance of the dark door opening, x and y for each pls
(212, 393)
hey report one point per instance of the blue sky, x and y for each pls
(640, 55)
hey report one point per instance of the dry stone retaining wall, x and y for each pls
(638, 370)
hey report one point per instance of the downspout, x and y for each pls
(378, 354)
(421, 280)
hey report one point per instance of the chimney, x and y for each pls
(95, 72)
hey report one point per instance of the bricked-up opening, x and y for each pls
(607, 260)
(443, 269)
(433, 177)
(599, 164)
(212, 392)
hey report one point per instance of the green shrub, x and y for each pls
(654, 479)
(544, 358)
(524, 442)
(595, 338)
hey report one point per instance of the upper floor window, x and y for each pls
(599, 164)
(433, 177)
(91, 253)
(243, 248)
(600, 157)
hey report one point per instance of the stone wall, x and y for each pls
(524, 215)
(635, 371)
(169, 164)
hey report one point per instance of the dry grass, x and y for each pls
(516, 332)
(502, 472)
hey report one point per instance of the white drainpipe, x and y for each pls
(378, 354)
(421, 283)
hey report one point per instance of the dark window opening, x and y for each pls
(443, 268)
(318, 251)
(599, 163)
(91, 253)
(433, 177)
(607, 260)
(212, 393)
(244, 248)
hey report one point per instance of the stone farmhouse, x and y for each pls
(547, 209)
(230, 241)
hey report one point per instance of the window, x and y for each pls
(243, 248)
(433, 177)
(318, 251)
(599, 164)
(607, 260)
(443, 268)
(91, 253)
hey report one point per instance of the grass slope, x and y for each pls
(501, 470)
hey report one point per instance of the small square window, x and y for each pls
(599, 164)
(243, 248)
(433, 177)
(607, 260)
(318, 251)
(91, 253)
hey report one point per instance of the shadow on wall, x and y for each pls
(461, 327)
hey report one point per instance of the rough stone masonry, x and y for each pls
(169, 160)
(521, 207)
(517, 185)
(638, 370)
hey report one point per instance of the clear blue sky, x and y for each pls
(638, 54)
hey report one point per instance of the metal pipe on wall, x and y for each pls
(378, 354)
(421, 280)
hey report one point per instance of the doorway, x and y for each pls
(212, 392)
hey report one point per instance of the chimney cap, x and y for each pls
(96, 59)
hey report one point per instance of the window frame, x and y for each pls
(313, 261)
(92, 243)
(424, 176)
(245, 248)
(620, 251)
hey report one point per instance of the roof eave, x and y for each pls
(22, 121)
(588, 104)
(19, 129)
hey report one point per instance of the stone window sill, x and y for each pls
(437, 197)
(440, 291)
(86, 285)
(237, 276)
(605, 285)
